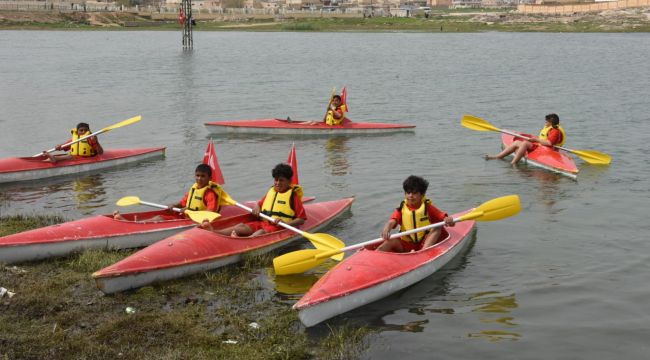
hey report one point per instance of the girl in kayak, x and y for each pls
(335, 113)
(413, 212)
(552, 134)
(84, 148)
(283, 202)
(204, 195)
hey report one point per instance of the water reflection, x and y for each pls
(336, 155)
(294, 284)
(549, 187)
(412, 326)
(497, 307)
(89, 193)
(85, 193)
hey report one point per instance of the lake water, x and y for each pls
(565, 279)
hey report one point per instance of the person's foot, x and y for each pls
(206, 225)
(489, 157)
(118, 216)
(49, 157)
(234, 234)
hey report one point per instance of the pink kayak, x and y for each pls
(97, 232)
(30, 168)
(370, 275)
(548, 158)
(293, 127)
(198, 250)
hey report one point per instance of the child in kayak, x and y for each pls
(552, 134)
(413, 212)
(84, 148)
(204, 195)
(335, 113)
(283, 202)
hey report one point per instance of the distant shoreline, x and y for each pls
(630, 20)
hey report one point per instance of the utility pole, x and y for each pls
(186, 10)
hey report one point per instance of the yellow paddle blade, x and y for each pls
(324, 241)
(593, 156)
(495, 209)
(297, 262)
(199, 216)
(476, 123)
(123, 123)
(226, 197)
(128, 201)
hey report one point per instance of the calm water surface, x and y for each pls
(565, 279)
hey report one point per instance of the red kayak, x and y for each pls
(97, 232)
(30, 168)
(370, 275)
(548, 158)
(198, 250)
(292, 127)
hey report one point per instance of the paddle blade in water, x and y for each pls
(200, 216)
(123, 123)
(297, 262)
(128, 201)
(495, 209)
(476, 123)
(593, 157)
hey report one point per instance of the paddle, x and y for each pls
(329, 104)
(303, 260)
(320, 240)
(196, 216)
(106, 129)
(590, 156)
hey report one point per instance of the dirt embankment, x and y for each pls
(637, 19)
(76, 18)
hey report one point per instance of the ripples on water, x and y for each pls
(564, 278)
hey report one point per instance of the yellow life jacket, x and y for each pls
(544, 134)
(82, 148)
(195, 198)
(280, 205)
(331, 120)
(414, 219)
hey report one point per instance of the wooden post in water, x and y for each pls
(186, 12)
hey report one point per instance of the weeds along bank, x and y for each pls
(57, 312)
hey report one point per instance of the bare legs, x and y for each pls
(54, 158)
(519, 147)
(239, 230)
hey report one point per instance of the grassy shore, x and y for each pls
(58, 313)
(631, 20)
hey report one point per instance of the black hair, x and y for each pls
(415, 184)
(204, 168)
(282, 170)
(553, 119)
(336, 97)
(83, 125)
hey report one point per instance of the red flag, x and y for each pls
(210, 158)
(293, 161)
(344, 98)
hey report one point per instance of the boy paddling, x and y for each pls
(283, 202)
(84, 148)
(413, 212)
(551, 134)
(204, 195)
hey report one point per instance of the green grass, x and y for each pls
(58, 313)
